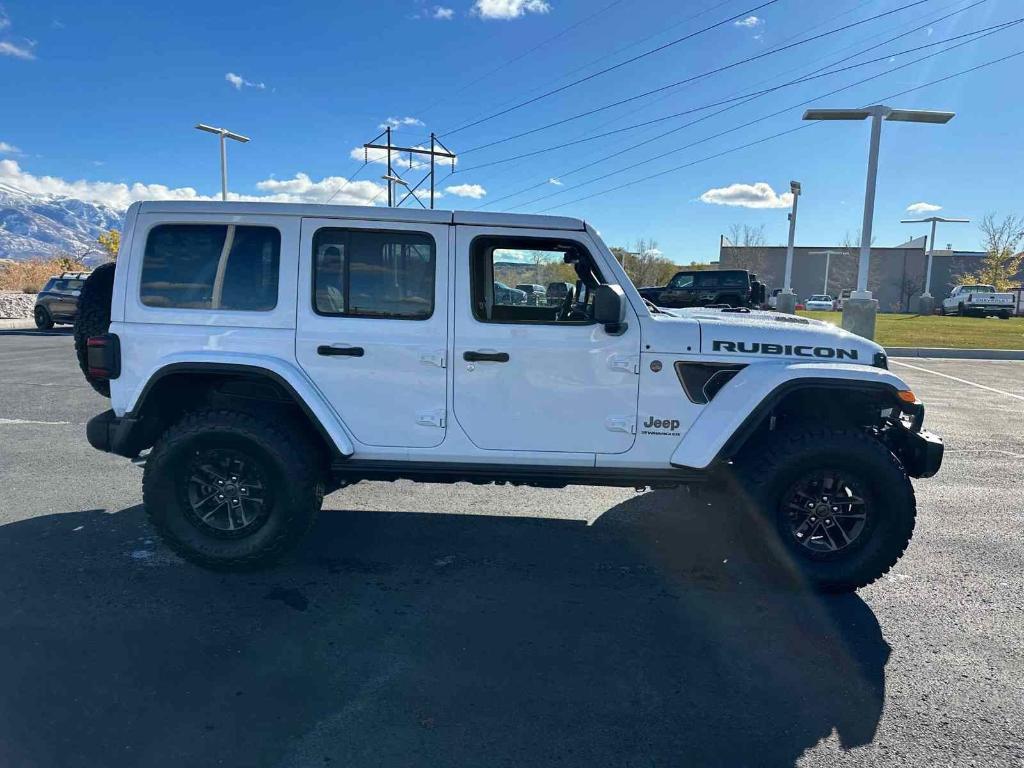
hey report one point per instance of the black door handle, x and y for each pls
(485, 357)
(328, 351)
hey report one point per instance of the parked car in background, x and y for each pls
(978, 300)
(536, 296)
(843, 296)
(505, 295)
(58, 301)
(773, 298)
(557, 292)
(820, 302)
(708, 287)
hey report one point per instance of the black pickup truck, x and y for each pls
(708, 287)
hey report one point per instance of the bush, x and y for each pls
(30, 276)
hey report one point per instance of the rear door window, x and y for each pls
(211, 266)
(369, 273)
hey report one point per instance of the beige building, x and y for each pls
(896, 277)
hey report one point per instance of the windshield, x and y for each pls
(979, 288)
(821, 298)
(710, 280)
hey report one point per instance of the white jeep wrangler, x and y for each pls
(265, 354)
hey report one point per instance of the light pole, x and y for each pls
(786, 301)
(223, 133)
(860, 309)
(926, 304)
(828, 258)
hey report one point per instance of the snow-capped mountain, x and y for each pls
(35, 226)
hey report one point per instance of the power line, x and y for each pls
(856, 47)
(781, 133)
(763, 117)
(750, 95)
(606, 56)
(521, 56)
(693, 78)
(613, 67)
(637, 145)
(349, 181)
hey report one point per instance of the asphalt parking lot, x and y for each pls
(491, 626)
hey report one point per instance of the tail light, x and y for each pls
(103, 356)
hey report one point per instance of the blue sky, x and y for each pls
(99, 98)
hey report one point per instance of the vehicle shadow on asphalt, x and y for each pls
(657, 636)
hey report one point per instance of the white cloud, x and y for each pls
(759, 195)
(8, 149)
(751, 22)
(397, 122)
(508, 9)
(5, 20)
(237, 82)
(556, 182)
(8, 48)
(443, 14)
(923, 208)
(474, 191)
(300, 189)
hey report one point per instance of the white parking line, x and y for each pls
(29, 421)
(955, 378)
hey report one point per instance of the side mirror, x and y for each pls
(610, 308)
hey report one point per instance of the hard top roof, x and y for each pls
(365, 213)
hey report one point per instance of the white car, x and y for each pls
(266, 354)
(820, 301)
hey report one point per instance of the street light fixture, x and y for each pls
(858, 320)
(223, 133)
(828, 254)
(931, 246)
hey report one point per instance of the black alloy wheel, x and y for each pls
(826, 511)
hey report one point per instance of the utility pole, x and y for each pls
(786, 301)
(393, 177)
(926, 303)
(223, 133)
(828, 258)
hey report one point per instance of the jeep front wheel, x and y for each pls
(838, 502)
(230, 491)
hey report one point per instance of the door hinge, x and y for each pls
(625, 424)
(625, 364)
(435, 418)
(434, 358)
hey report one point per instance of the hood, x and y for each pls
(774, 335)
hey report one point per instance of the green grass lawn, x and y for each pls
(936, 331)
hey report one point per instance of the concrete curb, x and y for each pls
(18, 323)
(956, 354)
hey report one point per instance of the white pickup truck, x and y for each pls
(978, 300)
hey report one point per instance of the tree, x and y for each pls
(65, 262)
(646, 265)
(110, 242)
(754, 256)
(1001, 265)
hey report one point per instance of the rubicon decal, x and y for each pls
(785, 350)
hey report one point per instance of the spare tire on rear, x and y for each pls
(94, 318)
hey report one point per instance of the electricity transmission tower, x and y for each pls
(393, 178)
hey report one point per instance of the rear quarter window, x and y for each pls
(211, 266)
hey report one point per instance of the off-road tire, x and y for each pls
(961, 310)
(94, 318)
(1004, 315)
(42, 318)
(294, 468)
(767, 470)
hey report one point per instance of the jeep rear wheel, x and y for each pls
(228, 490)
(838, 501)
